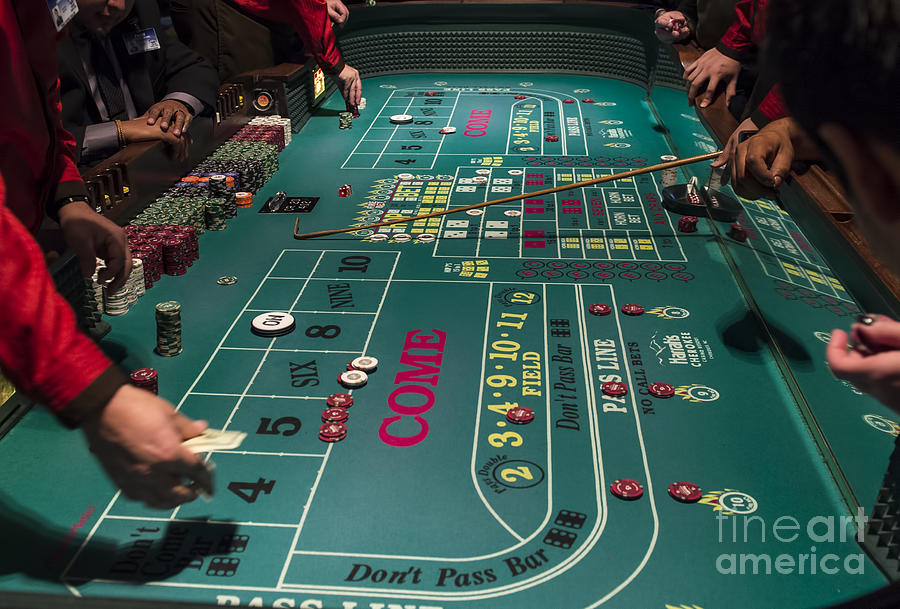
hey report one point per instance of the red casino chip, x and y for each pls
(568, 101)
(685, 492)
(520, 415)
(587, 100)
(332, 430)
(331, 439)
(600, 309)
(632, 309)
(344, 400)
(551, 138)
(430, 93)
(627, 489)
(519, 96)
(661, 390)
(335, 414)
(614, 388)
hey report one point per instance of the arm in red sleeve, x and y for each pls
(771, 108)
(41, 350)
(314, 27)
(68, 179)
(310, 19)
(738, 39)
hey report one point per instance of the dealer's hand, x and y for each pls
(351, 86)
(878, 374)
(338, 12)
(170, 112)
(709, 72)
(137, 130)
(90, 236)
(671, 26)
(137, 438)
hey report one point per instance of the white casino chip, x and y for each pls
(273, 323)
(365, 363)
(401, 119)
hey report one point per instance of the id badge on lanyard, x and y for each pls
(61, 12)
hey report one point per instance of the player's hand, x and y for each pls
(731, 145)
(137, 438)
(338, 12)
(137, 130)
(351, 86)
(170, 112)
(879, 374)
(671, 26)
(762, 162)
(90, 236)
(706, 74)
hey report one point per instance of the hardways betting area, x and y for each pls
(434, 499)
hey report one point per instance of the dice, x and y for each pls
(345, 191)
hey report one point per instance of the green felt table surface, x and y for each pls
(433, 499)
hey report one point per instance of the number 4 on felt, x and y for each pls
(249, 491)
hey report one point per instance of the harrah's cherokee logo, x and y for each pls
(681, 348)
(669, 312)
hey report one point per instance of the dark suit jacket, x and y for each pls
(150, 76)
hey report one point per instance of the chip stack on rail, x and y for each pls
(168, 328)
(281, 121)
(346, 120)
(146, 379)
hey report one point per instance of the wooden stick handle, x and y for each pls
(539, 193)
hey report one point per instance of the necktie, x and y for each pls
(107, 81)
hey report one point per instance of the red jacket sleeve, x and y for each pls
(68, 179)
(41, 350)
(771, 108)
(310, 19)
(738, 39)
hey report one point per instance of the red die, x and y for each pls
(345, 191)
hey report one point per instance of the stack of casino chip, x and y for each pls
(346, 120)
(215, 213)
(146, 379)
(168, 328)
(219, 189)
(116, 303)
(283, 122)
(243, 199)
(136, 281)
(176, 257)
(270, 134)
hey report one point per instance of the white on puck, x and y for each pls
(353, 378)
(401, 119)
(365, 363)
(273, 323)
